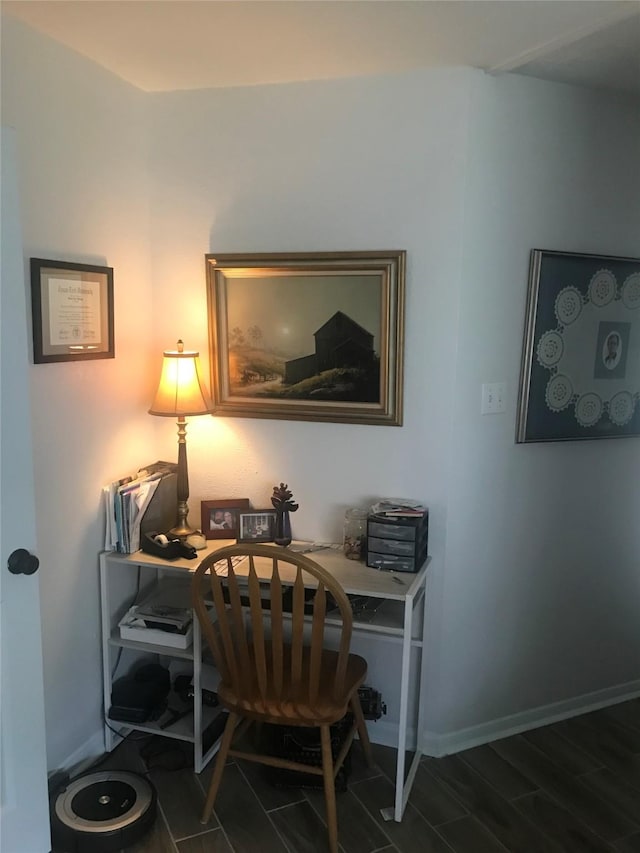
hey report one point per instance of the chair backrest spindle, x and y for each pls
(297, 634)
(238, 630)
(317, 641)
(277, 631)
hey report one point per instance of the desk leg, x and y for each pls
(403, 786)
(110, 736)
(109, 739)
(112, 732)
(197, 696)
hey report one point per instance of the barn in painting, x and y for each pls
(340, 342)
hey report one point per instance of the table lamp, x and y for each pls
(181, 393)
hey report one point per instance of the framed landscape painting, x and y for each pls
(308, 336)
(580, 374)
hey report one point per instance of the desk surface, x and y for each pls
(355, 576)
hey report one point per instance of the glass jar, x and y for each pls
(355, 533)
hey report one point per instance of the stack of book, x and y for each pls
(398, 508)
(127, 502)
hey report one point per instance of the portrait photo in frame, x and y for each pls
(72, 311)
(307, 336)
(257, 525)
(580, 371)
(220, 519)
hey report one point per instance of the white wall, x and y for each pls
(535, 565)
(354, 164)
(82, 137)
(534, 580)
(543, 546)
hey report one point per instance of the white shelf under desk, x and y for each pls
(398, 624)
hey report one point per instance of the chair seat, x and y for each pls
(297, 710)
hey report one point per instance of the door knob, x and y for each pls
(21, 562)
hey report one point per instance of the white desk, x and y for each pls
(399, 619)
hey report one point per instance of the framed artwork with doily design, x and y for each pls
(580, 373)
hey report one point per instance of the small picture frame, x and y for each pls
(72, 311)
(221, 519)
(257, 525)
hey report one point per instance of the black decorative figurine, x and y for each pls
(283, 503)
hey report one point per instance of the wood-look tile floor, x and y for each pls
(572, 787)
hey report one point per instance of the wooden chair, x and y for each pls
(269, 677)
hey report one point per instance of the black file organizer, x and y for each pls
(162, 513)
(397, 543)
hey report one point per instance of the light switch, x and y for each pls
(493, 398)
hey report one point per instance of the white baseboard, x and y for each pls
(437, 745)
(386, 734)
(380, 731)
(434, 744)
(83, 757)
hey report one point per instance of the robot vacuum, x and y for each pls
(102, 812)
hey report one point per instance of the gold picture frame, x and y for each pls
(307, 336)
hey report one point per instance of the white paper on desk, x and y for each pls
(111, 528)
(108, 507)
(310, 547)
(142, 498)
(221, 566)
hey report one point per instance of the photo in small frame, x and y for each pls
(221, 519)
(257, 526)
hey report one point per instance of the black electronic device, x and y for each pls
(371, 703)
(287, 599)
(183, 686)
(141, 696)
(304, 746)
(166, 547)
(214, 730)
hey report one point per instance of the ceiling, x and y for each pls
(166, 45)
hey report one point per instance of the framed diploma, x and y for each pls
(72, 311)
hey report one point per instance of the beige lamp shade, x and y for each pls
(181, 391)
